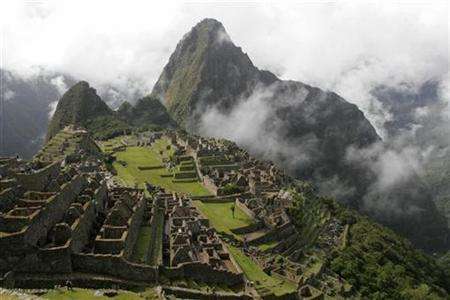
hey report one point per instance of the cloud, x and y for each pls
(347, 46)
(253, 124)
(8, 95)
(61, 87)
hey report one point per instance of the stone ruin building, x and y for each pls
(63, 221)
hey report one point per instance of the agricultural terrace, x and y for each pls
(221, 216)
(137, 165)
(222, 219)
(264, 283)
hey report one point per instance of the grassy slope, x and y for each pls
(254, 273)
(221, 217)
(378, 263)
(138, 156)
(142, 245)
(156, 241)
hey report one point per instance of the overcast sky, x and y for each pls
(345, 46)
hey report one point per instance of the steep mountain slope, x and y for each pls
(27, 104)
(378, 263)
(147, 112)
(419, 122)
(206, 69)
(81, 106)
(211, 87)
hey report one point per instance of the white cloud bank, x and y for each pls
(345, 46)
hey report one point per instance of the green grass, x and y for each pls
(261, 280)
(142, 245)
(155, 255)
(221, 216)
(267, 246)
(88, 294)
(140, 156)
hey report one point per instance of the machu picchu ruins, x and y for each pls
(215, 178)
(66, 215)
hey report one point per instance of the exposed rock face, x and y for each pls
(78, 106)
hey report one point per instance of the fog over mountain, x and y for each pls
(389, 59)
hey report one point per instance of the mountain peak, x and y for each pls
(208, 33)
(205, 69)
(79, 104)
(212, 30)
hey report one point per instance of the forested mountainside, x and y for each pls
(147, 112)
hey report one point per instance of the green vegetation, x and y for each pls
(88, 294)
(106, 127)
(384, 265)
(148, 113)
(184, 75)
(139, 156)
(221, 216)
(66, 143)
(378, 263)
(268, 245)
(81, 106)
(142, 245)
(230, 188)
(262, 281)
(155, 255)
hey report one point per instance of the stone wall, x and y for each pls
(157, 220)
(82, 226)
(114, 265)
(134, 225)
(210, 185)
(275, 234)
(12, 243)
(7, 183)
(245, 209)
(14, 223)
(204, 273)
(184, 293)
(248, 229)
(47, 260)
(38, 180)
(54, 210)
(7, 199)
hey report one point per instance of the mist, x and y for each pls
(348, 47)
